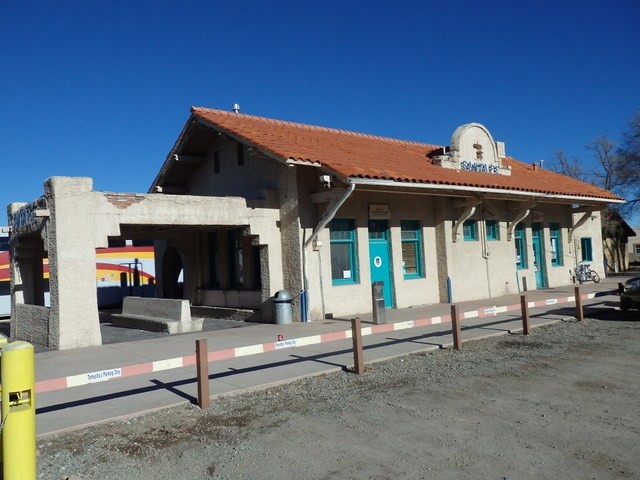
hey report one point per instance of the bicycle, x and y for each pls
(583, 273)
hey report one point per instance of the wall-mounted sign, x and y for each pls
(479, 167)
(379, 211)
(537, 216)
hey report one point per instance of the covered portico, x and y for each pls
(71, 220)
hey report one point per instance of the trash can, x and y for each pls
(377, 299)
(282, 302)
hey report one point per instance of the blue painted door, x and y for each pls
(379, 257)
(538, 255)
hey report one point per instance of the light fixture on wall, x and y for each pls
(325, 180)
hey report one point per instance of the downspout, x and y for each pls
(332, 209)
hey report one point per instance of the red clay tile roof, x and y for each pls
(358, 155)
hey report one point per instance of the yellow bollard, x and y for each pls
(3, 342)
(17, 377)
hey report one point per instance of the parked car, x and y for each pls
(630, 296)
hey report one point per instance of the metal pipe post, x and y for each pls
(358, 357)
(524, 305)
(202, 368)
(579, 311)
(455, 327)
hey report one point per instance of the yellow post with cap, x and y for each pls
(17, 377)
(3, 342)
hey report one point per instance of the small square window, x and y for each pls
(470, 230)
(493, 230)
(587, 249)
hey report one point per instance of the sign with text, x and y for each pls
(378, 211)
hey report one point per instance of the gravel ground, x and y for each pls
(561, 403)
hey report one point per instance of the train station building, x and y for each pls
(245, 206)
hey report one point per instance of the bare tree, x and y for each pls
(610, 172)
(629, 153)
(571, 167)
(616, 169)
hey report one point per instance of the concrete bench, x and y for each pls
(157, 315)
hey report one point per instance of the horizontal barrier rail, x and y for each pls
(87, 378)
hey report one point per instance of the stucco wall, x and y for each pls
(248, 180)
(476, 269)
(349, 299)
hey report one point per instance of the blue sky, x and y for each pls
(102, 89)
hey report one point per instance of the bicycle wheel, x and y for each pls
(594, 276)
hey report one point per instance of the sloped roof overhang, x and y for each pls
(423, 186)
(366, 184)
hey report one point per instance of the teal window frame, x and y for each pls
(555, 238)
(493, 229)
(411, 236)
(520, 240)
(342, 235)
(470, 230)
(586, 248)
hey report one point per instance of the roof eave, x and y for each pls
(238, 138)
(464, 190)
(176, 147)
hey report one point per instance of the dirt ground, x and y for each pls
(562, 403)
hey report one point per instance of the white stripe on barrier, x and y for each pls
(436, 320)
(77, 380)
(404, 325)
(311, 340)
(249, 350)
(168, 364)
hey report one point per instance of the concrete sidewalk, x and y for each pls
(90, 385)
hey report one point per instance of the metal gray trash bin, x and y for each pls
(377, 300)
(282, 302)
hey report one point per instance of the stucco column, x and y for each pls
(290, 237)
(443, 237)
(72, 264)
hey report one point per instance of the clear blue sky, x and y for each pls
(102, 89)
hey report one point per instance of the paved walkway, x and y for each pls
(90, 385)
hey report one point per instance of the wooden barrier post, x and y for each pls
(202, 368)
(455, 328)
(579, 311)
(524, 306)
(356, 335)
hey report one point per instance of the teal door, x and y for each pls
(538, 255)
(379, 257)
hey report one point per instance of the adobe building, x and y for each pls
(245, 206)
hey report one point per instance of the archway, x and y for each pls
(172, 283)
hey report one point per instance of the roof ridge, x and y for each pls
(313, 127)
